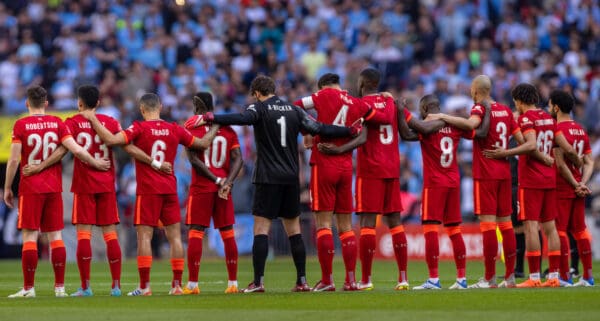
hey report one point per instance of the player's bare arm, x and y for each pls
(519, 137)
(206, 140)
(141, 156)
(404, 130)
(200, 167)
(11, 170)
(54, 158)
(587, 171)
(546, 159)
(236, 165)
(483, 129)
(529, 145)
(81, 153)
(307, 141)
(568, 150)
(332, 149)
(563, 169)
(107, 137)
(462, 123)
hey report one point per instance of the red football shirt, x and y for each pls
(440, 166)
(39, 136)
(216, 158)
(578, 138)
(502, 126)
(159, 139)
(87, 179)
(379, 156)
(532, 172)
(338, 108)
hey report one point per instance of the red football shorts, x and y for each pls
(331, 190)
(95, 209)
(201, 207)
(378, 195)
(152, 208)
(441, 204)
(492, 197)
(42, 212)
(571, 215)
(537, 204)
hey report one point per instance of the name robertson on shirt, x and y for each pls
(42, 125)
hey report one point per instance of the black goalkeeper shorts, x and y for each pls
(276, 200)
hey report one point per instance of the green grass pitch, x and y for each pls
(383, 303)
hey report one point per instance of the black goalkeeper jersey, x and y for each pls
(277, 124)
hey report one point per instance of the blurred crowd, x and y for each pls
(175, 48)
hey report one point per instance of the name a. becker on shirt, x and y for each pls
(41, 125)
(279, 108)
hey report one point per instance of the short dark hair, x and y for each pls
(36, 96)
(563, 100)
(430, 100)
(263, 84)
(526, 93)
(89, 95)
(150, 101)
(203, 100)
(328, 79)
(371, 77)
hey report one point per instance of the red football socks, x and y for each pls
(84, 257)
(432, 249)
(564, 255)
(144, 264)
(29, 260)
(459, 249)
(367, 250)
(349, 253)
(490, 248)
(194, 254)
(59, 259)
(231, 253)
(177, 267)
(533, 259)
(509, 246)
(400, 251)
(585, 252)
(325, 252)
(113, 252)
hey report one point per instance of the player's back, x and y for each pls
(379, 157)
(440, 166)
(578, 138)
(216, 157)
(502, 126)
(159, 139)
(533, 173)
(39, 136)
(335, 107)
(87, 179)
(276, 138)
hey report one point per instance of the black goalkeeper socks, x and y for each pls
(299, 255)
(260, 250)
